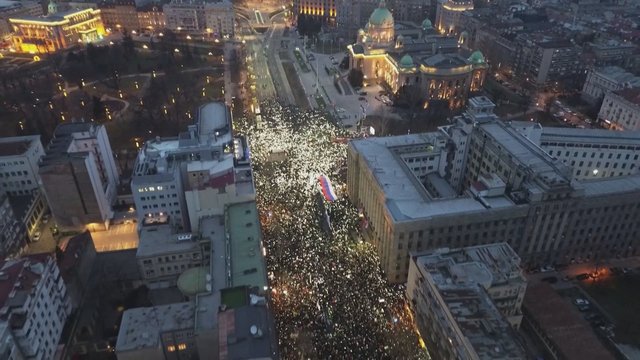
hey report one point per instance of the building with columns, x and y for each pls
(448, 14)
(431, 63)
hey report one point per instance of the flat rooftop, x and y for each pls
(561, 322)
(246, 333)
(618, 75)
(245, 236)
(17, 145)
(141, 327)
(160, 239)
(591, 137)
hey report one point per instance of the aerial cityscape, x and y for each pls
(319, 179)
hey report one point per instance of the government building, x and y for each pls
(56, 31)
(398, 56)
(555, 195)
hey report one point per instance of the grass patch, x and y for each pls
(619, 298)
(301, 62)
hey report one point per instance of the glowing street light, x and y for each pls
(176, 50)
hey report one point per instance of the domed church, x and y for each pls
(402, 54)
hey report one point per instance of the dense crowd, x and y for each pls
(329, 296)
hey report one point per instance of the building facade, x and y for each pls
(19, 157)
(220, 19)
(76, 265)
(35, 304)
(79, 176)
(542, 61)
(9, 9)
(119, 15)
(56, 31)
(448, 14)
(151, 17)
(194, 175)
(13, 234)
(620, 110)
(324, 10)
(211, 18)
(481, 180)
(450, 295)
(599, 81)
(420, 64)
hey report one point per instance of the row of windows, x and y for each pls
(162, 206)
(153, 197)
(9, 163)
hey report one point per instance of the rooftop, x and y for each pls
(160, 239)
(141, 327)
(591, 136)
(561, 322)
(17, 145)
(17, 279)
(247, 261)
(632, 95)
(246, 333)
(619, 75)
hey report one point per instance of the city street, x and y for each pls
(118, 237)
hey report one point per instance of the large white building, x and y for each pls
(200, 17)
(194, 175)
(79, 176)
(451, 294)
(34, 304)
(602, 80)
(620, 109)
(481, 180)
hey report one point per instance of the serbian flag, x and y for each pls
(327, 189)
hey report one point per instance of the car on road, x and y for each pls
(582, 304)
(547, 268)
(36, 236)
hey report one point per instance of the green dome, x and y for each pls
(427, 25)
(381, 16)
(476, 58)
(193, 281)
(406, 61)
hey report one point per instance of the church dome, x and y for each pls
(381, 16)
(476, 58)
(406, 61)
(427, 25)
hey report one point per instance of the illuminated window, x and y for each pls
(171, 348)
(182, 346)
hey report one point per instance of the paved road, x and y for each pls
(118, 237)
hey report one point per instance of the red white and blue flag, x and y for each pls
(327, 189)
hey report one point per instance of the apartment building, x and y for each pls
(8, 344)
(599, 81)
(163, 255)
(542, 60)
(219, 19)
(448, 13)
(480, 181)
(193, 175)
(451, 296)
(195, 16)
(324, 10)
(79, 176)
(13, 237)
(34, 304)
(151, 17)
(75, 261)
(119, 15)
(620, 110)
(10, 9)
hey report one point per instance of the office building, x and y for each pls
(611, 52)
(34, 304)
(56, 31)
(481, 180)
(79, 176)
(193, 175)
(451, 296)
(602, 80)
(119, 15)
(428, 64)
(448, 13)
(10, 9)
(219, 19)
(620, 110)
(543, 60)
(8, 344)
(163, 255)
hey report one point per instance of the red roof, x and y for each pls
(14, 271)
(631, 95)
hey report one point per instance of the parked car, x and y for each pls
(547, 268)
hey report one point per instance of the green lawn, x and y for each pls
(619, 297)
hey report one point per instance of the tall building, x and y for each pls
(75, 261)
(194, 175)
(8, 344)
(448, 14)
(79, 176)
(12, 231)
(119, 15)
(620, 110)
(454, 296)
(481, 180)
(200, 17)
(542, 60)
(56, 31)
(10, 9)
(602, 80)
(426, 64)
(33, 304)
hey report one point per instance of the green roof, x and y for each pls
(426, 24)
(247, 262)
(476, 58)
(235, 297)
(193, 281)
(381, 16)
(406, 61)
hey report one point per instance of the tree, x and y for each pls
(409, 96)
(98, 108)
(356, 77)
